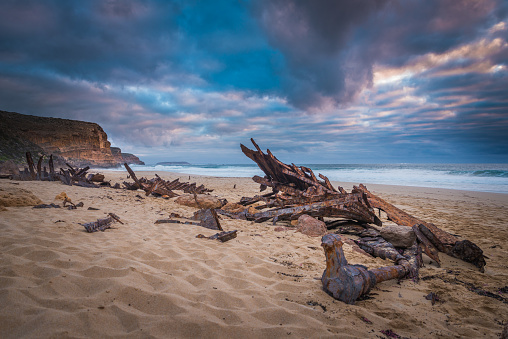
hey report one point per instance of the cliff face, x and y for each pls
(77, 142)
(125, 157)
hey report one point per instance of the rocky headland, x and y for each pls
(77, 142)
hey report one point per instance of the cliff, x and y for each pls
(125, 157)
(77, 142)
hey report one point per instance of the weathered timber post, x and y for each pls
(31, 166)
(39, 167)
(348, 282)
(133, 175)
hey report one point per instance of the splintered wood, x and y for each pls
(102, 224)
(70, 176)
(297, 191)
(160, 187)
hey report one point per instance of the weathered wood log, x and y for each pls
(97, 177)
(71, 169)
(152, 188)
(65, 177)
(349, 206)
(242, 215)
(413, 256)
(427, 246)
(31, 166)
(101, 224)
(208, 218)
(345, 227)
(411, 259)
(442, 240)
(52, 173)
(378, 247)
(224, 236)
(348, 282)
(161, 187)
(133, 175)
(173, 221)
(52, 205)
(39, 167)
(246, 201)
(298, 191)
(80, 174)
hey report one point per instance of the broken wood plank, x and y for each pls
(133, 175)
(349, 205)
(427, 246)
(51, 167)
(31, 166)
(442, 240)
(224, 236)
(101, 224)
(208, 218)
(79, 175)
(39, 167)
(71, 169)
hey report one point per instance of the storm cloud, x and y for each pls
(353, 81)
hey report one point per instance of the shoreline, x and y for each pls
(145, 279)
(345, 184)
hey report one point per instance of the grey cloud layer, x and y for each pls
(167, 74)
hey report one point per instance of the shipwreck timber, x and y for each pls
(297, 191)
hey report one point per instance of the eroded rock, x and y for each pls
(399, 236)
(311, 226)
(204, 200)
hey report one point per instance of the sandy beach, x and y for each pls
(147, 280)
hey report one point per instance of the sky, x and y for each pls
(322, 81)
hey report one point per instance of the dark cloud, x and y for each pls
(414, 79)
(330, 46)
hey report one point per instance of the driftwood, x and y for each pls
(71, 176)
(30, 164)
(75, 176)
(51, 165)
(160, 187)
(39, 167)
(207, 218)
(349, 206)
(441, 240)
(52, 205)
(102, 224)
(297, 190)
(222, 236)
(348, 282)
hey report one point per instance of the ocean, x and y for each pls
(470, 177)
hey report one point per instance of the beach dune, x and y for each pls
(141, 279)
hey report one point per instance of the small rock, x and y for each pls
(233, 207)
(205, 201)
(311, 226)
(399, 236)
